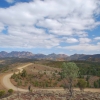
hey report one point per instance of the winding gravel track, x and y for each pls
(7, 83)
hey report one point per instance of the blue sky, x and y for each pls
(50, 26)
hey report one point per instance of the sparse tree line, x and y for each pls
(85, 67)
(97, 83)
(87, 70)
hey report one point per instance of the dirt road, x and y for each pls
(6, 80)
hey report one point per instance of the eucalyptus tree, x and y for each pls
(69, 73)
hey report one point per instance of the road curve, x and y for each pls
(7, 83)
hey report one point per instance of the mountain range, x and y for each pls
(53, 56)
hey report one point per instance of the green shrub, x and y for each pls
(82, 84)
(10, 91)
(96, 85)
(2, 93)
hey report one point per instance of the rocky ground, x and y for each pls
(53, 95)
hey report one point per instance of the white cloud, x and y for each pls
(82, 34)
(9, 1)
(45, 23)
(84, 40)
(83, 47)
(50, 24)
(46, 41)
(71, 40)
(97, 38)
(98, 43)
(1, 27)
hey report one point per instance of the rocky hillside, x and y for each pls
(24, 54)
(53, 56)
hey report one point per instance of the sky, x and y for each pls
(50, 26)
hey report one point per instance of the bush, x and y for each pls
(2, 93)
(82, 84)
(96, 85)
(10, 91)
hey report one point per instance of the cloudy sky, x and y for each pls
(50, 26)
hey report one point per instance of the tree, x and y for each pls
(13, 76)
(82, 84)
(88, 85)
(96, 84)
(69, 73)
(87, 78)
(24, 73)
